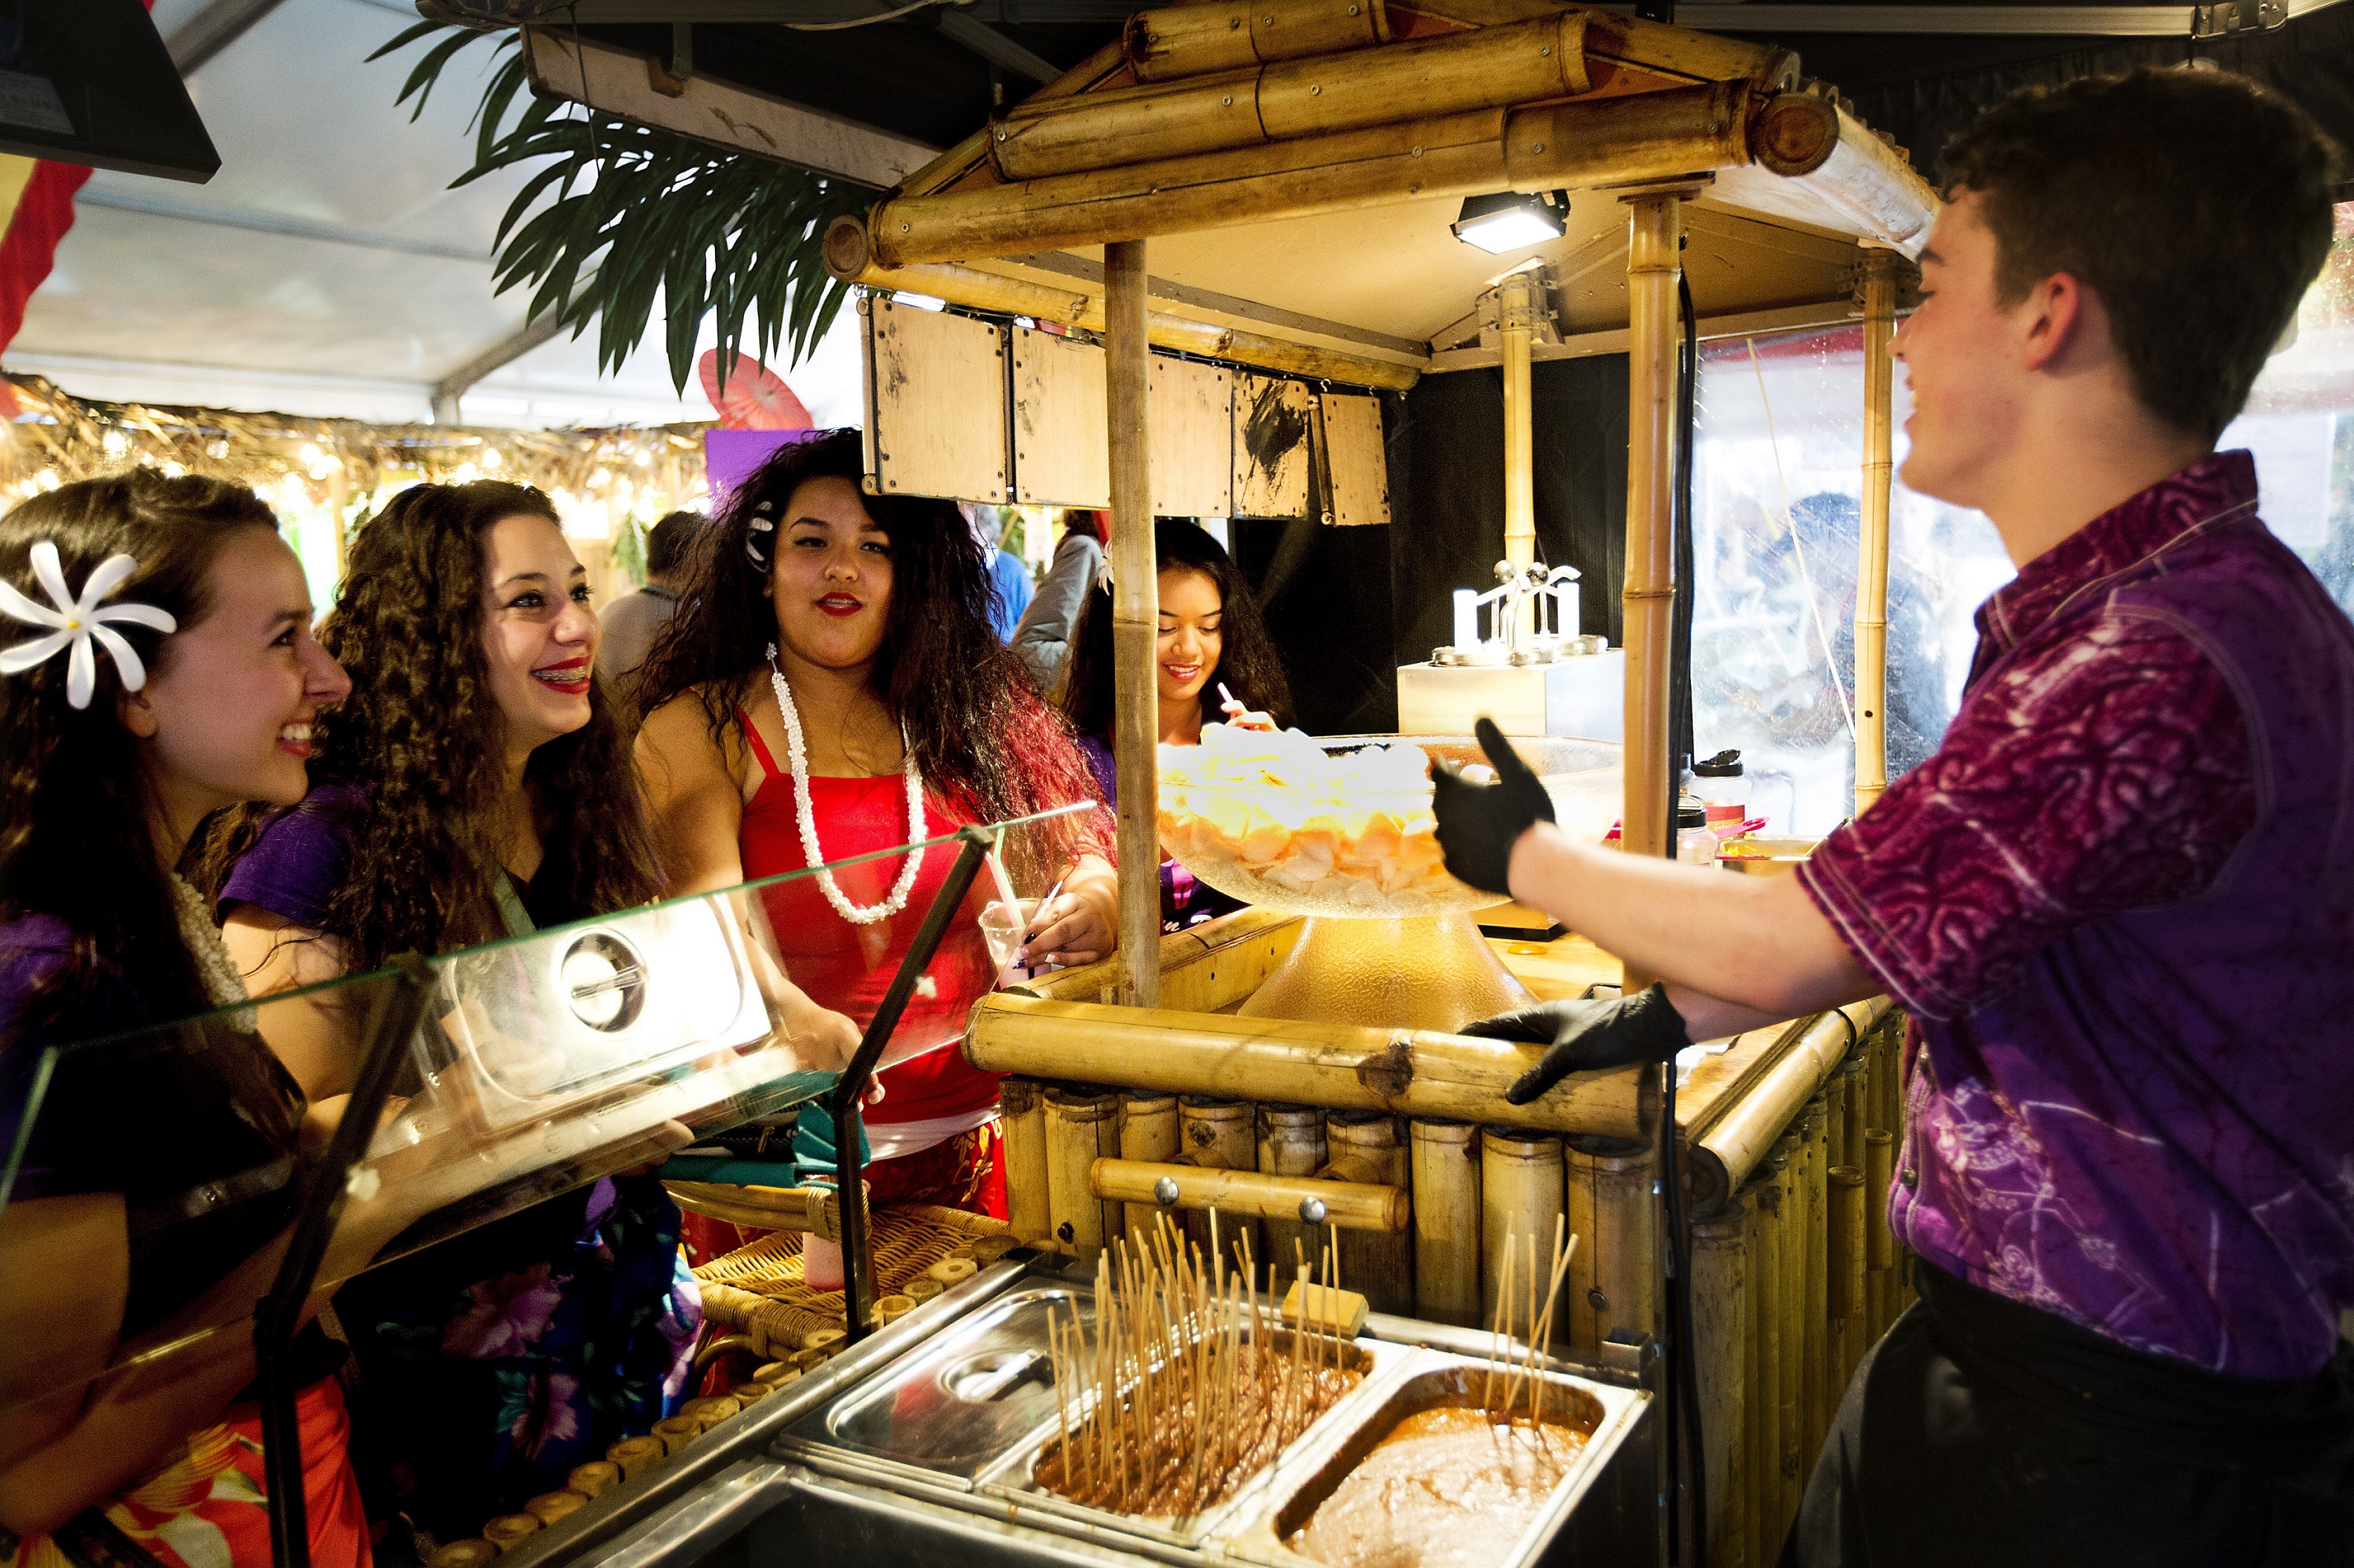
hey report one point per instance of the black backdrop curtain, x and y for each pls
(1347, 606)
(1921, 89)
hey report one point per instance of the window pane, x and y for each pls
(1777, 486)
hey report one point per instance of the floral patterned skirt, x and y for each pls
(207, 1507)
(492, 1363)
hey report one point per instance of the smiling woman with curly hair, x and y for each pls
(476, 784)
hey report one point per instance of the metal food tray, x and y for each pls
(1424, 1379)
(964, 1419)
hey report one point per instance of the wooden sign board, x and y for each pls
(1272, 448)
(1356, 470)
(1061, 457)
(935, 403)
(1192, 414)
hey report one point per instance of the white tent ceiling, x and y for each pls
(327, 269)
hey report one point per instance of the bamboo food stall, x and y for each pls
(1267, 1207)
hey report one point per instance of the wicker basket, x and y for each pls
(756, 1291)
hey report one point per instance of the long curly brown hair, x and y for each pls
(76, 839)
(979, 731)
(421, 735)
(1248, 664)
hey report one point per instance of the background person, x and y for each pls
(632, 621)
(1041, 638)
(1210, 635)
(832, 687)
(200, 693)
(476, 785)
(2099, 900)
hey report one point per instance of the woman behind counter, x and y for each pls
(1210, 636)
(476, 785)
(194, 690)
(832, 686)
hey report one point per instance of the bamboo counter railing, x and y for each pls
(1116, 1114)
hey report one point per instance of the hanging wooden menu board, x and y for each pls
(1272, 446)
(935, 403)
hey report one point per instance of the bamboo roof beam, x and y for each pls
(1195, 40)
(1580, 143)
(979, 291)
(1489, 67)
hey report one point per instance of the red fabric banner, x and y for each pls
(43, 215)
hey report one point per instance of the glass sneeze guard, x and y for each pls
(515, 1071)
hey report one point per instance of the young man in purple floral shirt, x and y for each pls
(2115, 902)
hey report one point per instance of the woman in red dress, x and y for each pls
(830, 686)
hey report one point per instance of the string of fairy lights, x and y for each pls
(324, 476)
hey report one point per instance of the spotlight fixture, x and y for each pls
(1510, 221)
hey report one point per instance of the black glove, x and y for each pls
(1479, 824)
(1586, 1036)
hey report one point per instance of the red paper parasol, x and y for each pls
(756, 397)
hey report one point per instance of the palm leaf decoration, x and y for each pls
(617, 215)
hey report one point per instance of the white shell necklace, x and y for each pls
(797, 759)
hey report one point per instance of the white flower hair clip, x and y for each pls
(763, 521)
(78, 622)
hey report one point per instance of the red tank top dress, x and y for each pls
(848, 968)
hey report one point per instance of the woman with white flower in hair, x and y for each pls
(156, 664)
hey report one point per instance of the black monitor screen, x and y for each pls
(88, 82)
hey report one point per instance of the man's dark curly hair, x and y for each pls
(422, 735)
(2196, 204)
(1249, 665)
(984, 741)
(76, 842)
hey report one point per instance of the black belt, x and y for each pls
(2157, 1405)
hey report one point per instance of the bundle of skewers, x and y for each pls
(1515, 1379)
(1190, 1384)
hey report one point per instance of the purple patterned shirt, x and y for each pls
(2116, 902)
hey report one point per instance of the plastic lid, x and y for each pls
(1723, 765)
(1691, 816)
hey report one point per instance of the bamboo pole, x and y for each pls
(1135, 618)
(1626, 1241)
(1577, 1327)
(1081, 1128)
(1879, 1241)
(1847, 1244)
(1186, 40)
(1818, 1308)
(1790, 1308)
(1022, 1115)
(1516, 319)
(1720, 1285)
(1340, 1067)
(1760, 1453)
(1452, 73)
(1147, 1131)
(1732, 1145)
(1291, 1143)
(983, 291)
(1872, 563)
(1581, 143)
(1370, 1148)
(1848, 1086)
(1219, 1135)
(1354, 1206)
(1521, 1196)
(1446, 1209)
(1655, 223)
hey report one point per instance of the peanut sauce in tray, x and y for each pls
(1448, 1486)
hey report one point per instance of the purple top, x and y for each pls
(2114, 903)
(1184, 900)
(295, 864)
(194, 1126)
